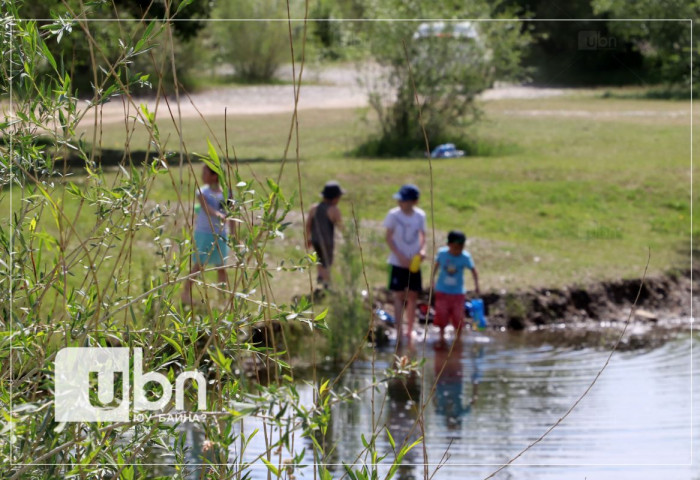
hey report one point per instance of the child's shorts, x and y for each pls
(324, 252)
(449, 309)
(401, 279)
(210, 248)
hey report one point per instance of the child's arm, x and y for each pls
(210, 211)
(335, 217)
(436, 267)
(421, 242)
(475, 276)
(309, 224)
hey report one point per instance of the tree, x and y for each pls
(444, 64)
(254, 47)
(110, 32)
(665, 45)
(556, 57)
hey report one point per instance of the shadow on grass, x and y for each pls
(406, 150)
(670, 92)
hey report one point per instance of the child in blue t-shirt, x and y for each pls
(450, 262)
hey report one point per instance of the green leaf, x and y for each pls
(184, 4)
(74, 189)
(47, 54)
(365, 443)
(272, 468)
(325, 474)
(349, 471)
(321, 315)
(323, 388)
(391, 440)
(213, 161)
(150, 117)
(273, 185)
(175, 345)
(146, 36)
(128, 473)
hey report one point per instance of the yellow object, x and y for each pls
(415, 264)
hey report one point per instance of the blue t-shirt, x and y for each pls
(215, 202)
(451, 273)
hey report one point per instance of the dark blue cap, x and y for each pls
(407, 193)
(332, 190)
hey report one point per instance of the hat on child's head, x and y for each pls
(407, 193)
(455, 236)
(332, 190)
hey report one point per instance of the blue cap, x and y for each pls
(332, 190)
(407, 193)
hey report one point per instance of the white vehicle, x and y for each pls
(461, 29)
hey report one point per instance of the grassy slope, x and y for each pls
(585, 188)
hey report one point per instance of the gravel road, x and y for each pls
(327, 88)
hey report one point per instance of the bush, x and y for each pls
(255, 49)
(431, 74)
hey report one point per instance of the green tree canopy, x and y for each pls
(252, 36)
(664, 39)
(89, 37)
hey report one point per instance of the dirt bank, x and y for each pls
(593, 313)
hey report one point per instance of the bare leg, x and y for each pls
(440, 344)
(324, 275)
(411, 301)
(399, 300)
(187, 291)
(222, 278)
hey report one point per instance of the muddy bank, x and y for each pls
(594, 313)
(661, 298)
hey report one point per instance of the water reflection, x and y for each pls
(484, 401)
(450, 395)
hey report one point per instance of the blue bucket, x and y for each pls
(478, 315)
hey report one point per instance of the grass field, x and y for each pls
(576, 189)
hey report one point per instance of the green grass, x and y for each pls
(590, 186)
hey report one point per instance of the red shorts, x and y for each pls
(449, 309)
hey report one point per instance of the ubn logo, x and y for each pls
(74, 367)
(593, 40)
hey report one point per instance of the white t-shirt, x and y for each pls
(405, 232)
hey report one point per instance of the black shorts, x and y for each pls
(401, 279)
(324, 253)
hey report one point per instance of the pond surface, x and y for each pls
(491, 396)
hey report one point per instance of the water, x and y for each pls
(496, 395)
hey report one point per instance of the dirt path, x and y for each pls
(339, 87)
(327, 88)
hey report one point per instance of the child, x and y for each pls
(405, 235)
(209, 231)
(320, 227)
(449, 289)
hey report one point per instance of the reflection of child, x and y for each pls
(209, 231)
(450, 399)
(320, 228)
(449, 381)
(450, 262)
